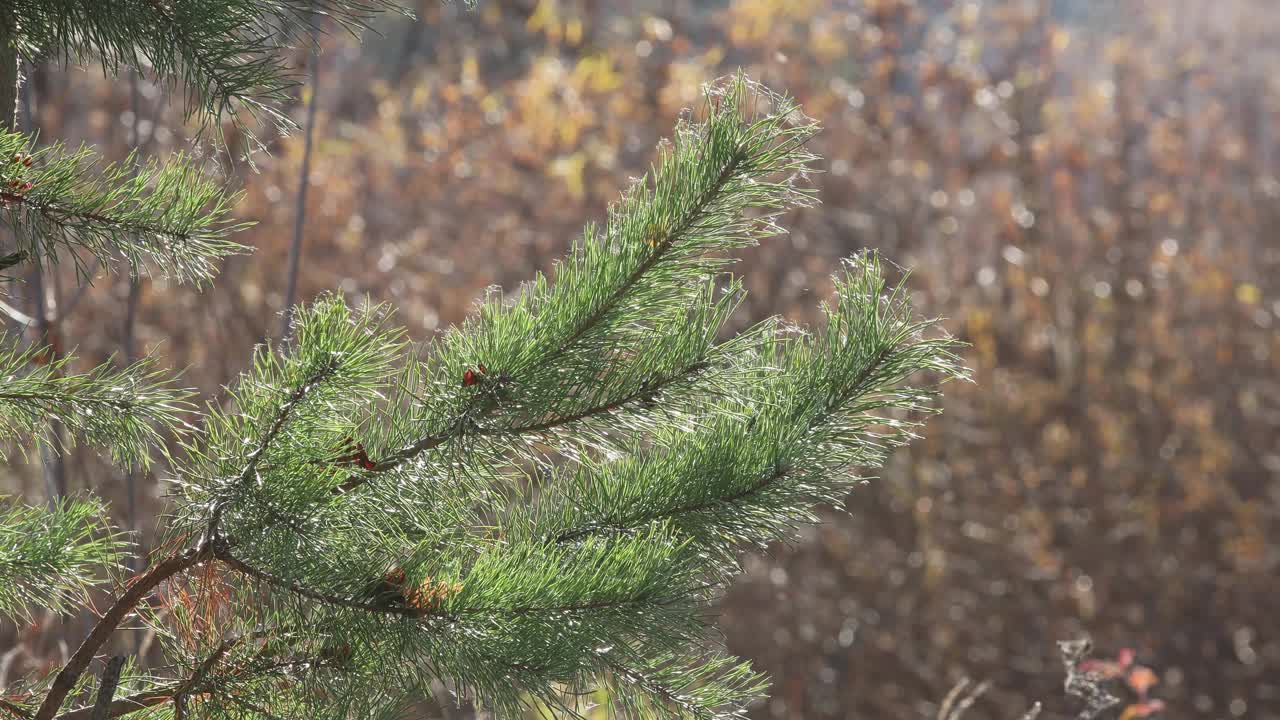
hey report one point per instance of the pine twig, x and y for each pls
(399, 458)
(224, 554)
(107, 688)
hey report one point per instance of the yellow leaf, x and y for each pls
(573, 31)
(543, 17)
(570, 169)
(1248, 293)
(1060, 39)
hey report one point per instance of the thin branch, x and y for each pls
(172, 692)
(51, 454)
(127, 334)
(139, 588)
(107, 687)
(57, 216)
(252, 707)
(223, 553)
(657, 688)
(396, 460)
(251, 467)
(304, 182)
(10, 81)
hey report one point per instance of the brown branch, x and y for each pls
(10, 81)
(304, 183)
(138, 589)
(392, 462)
(223, 553)
(107, 687)
(170, 693)
(126, 705)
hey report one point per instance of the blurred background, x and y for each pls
(1087, 190)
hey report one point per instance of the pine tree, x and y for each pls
(545, 499)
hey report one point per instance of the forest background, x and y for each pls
(1088, 191)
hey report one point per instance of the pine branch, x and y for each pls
(139, 588)
(51, 557)
(646, 393)
(711, 688)
(665, 695)
(60, 202)
(294, 406)
(282, 415)
(514, 603)
(662, 243)
(127, 410)
(501, 568)
(228, 56)
(731, 500)
(639, 520)
(554, 350)
(682, 449)
(834, 406)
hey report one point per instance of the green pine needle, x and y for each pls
(169, 215)
(50, 558)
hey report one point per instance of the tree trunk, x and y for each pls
(9, 81)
